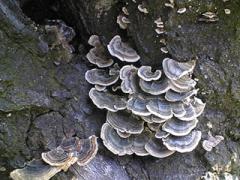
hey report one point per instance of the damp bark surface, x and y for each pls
(42, 101)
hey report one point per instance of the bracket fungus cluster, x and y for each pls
(153, 111)
(70, 151)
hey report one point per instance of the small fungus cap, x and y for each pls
(121, 50)
(106, 100)
(100, 77)
(177, 127)
(183, 144)
(145, 73)
(125, 122)
(156, 148)
(175, 70)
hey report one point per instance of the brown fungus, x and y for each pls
(87, 150)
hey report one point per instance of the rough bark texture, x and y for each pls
(40, 103)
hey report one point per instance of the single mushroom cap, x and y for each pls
(94, 40)
(100, 77)
(113, 142)
(35, 170)
(125, 122)
(122, 50)
(160, 108)
(183, 144)
(153, 119)
(145, 73)
(106, 100)
(175, 70)
(57, 157)
(137, 105)
(123, 134)
(97, 56)
(211, 142)
(87, 150)
(183, 84)
(173, 96)
(156, 148)
(177, 127)
(122, 21)
(128, 75)
(155, 87)
(139, 142)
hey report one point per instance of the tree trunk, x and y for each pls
(42, 101)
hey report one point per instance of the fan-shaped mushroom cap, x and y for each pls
(104, 99)
(177, 127)
(98, 57)
(137, 104)
(125, 122)
(139, 142)
(153, 119)
(128, 75)
(114, 143)
(94, 40)
(100, 77)
(154, 126)
(175, 70)
(160, 108)
(156, 148)
(142, 8)
(183, 84)
(211, 142)
(122, 21)
(183, 144)
(121, 50)
(123, 134)
(155, 87)
(57, 157)
(87, 150)
(145, 73)
(173, 96)
(35, 170)
(161, 134)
